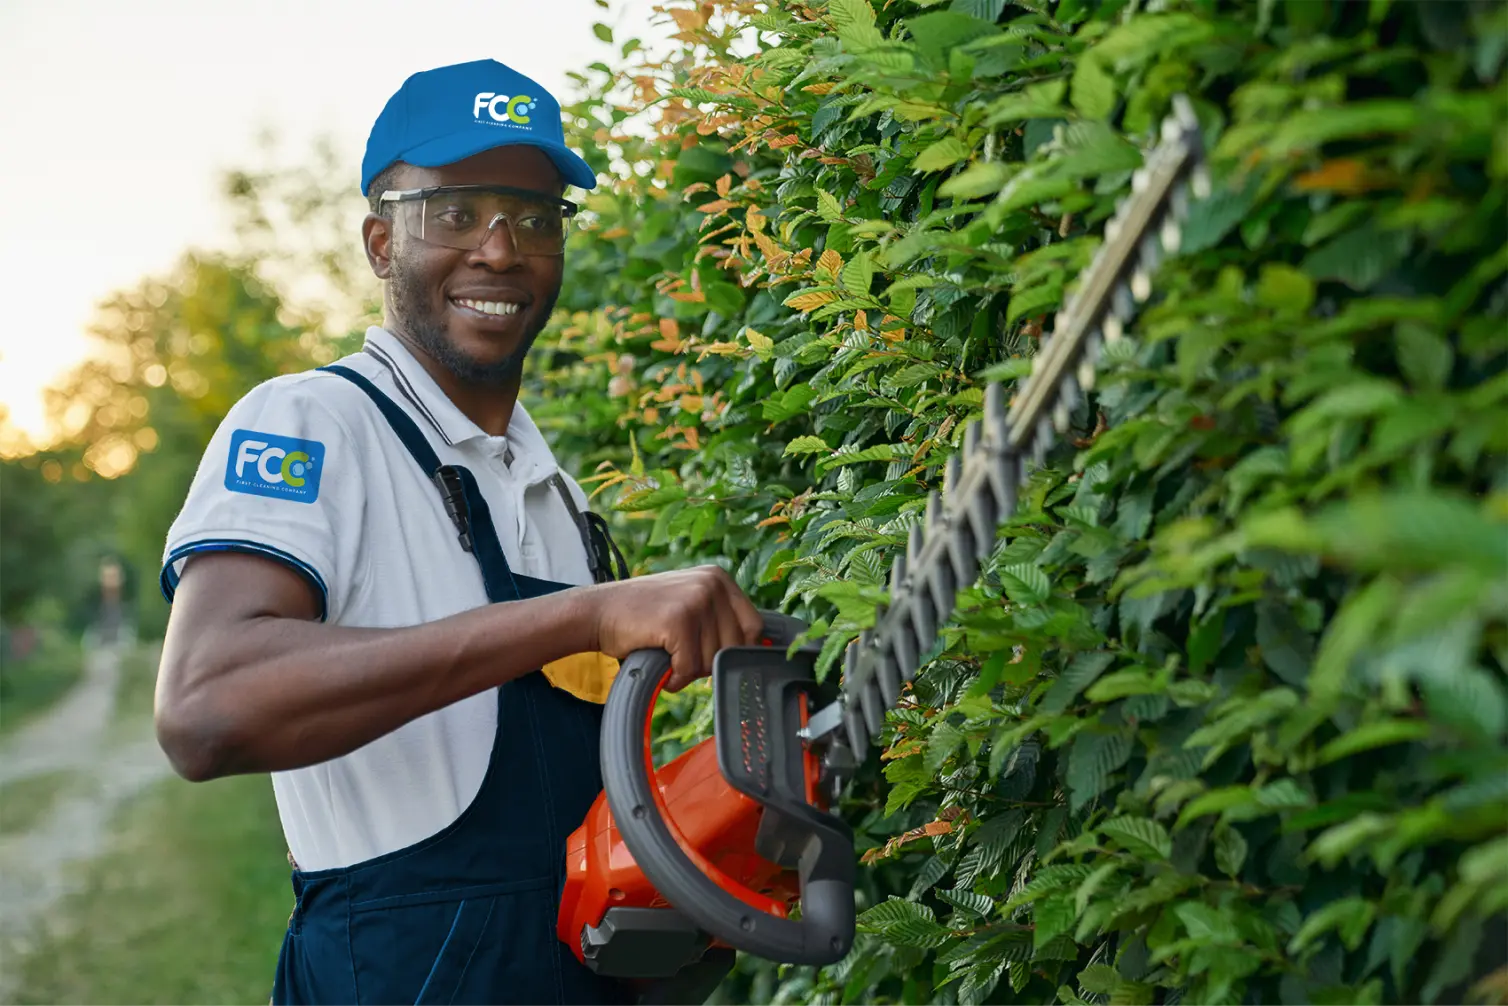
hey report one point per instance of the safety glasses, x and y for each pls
(463, 216)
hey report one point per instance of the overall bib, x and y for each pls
(468, 914)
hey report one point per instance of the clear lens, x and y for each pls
(464, 219)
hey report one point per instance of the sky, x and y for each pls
(118, 118)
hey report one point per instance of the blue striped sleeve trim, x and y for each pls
(169, 579)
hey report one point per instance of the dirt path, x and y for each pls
(106, 764)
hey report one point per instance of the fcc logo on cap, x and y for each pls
(503, 109)
(264, 464)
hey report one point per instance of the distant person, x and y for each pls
(333, 564)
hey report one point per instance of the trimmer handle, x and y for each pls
(758, 699)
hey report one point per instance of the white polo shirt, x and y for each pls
(306, 471)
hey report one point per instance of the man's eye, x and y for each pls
(539, 222)
(455, 217)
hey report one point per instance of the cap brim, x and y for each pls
(459, 146)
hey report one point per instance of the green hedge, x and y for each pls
(1224, 719)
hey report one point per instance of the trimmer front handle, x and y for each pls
(759, 703)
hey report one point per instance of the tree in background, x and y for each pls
(171, 356)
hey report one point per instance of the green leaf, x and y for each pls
(1351, 916)
(1205, 639)
(1043, 100)
(1414, 530)
(894, 910)
(1359, 258)
(938, 32)
(1371, 736)
(1364, 397)
(847, 456)
(1245, 803)
(978, 179)
(1208, 924)
(933, 870)
(1136, 681)
(1425, 357)
(1093, 89)
(1093, 148)
(1334, 844)
(1285, 646)
(653, 498)
(979, 905)
(1145, 838)
(985, 10)
(854, 20)
(1468, 699)
(603, 32)
(807, 444)
(1091, 761)
(788, 404)
(1285, 289)
(1086, 667)
(1052, 916)
(1025, 584)
(1230, 850)
(1100, 979)
(858, 274)
(916, 933)
(1353, 628)
(828, 207)
(945, 739)
(943, 154)
(1306, 130)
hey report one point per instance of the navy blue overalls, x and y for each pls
(468, 914)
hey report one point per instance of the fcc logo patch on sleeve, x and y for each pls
(264, 464)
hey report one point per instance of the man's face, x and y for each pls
(428, 283)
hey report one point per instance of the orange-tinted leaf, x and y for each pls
(1344, 174)
(811, 300)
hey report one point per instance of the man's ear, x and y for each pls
(377, 237)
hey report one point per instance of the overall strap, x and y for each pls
(462, 496)
(601, 551)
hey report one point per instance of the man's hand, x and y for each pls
(691, 613)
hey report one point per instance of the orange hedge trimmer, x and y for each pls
(676, 868)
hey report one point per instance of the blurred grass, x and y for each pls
(30, 684)
(24, 802)
(188, 905)
(134, 690)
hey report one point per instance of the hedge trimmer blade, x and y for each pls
(947, 549)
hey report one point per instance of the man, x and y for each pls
(376, 557)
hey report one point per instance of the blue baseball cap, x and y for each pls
(448, 114)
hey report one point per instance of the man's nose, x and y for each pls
(498, 250)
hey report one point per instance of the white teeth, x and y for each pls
(502, 307)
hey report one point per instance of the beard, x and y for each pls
(423, 325)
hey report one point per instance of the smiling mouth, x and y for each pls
(497, 308)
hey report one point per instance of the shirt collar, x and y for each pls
(532, 458)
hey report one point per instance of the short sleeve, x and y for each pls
(279, 479)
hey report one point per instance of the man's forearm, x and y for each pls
(275, 693)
